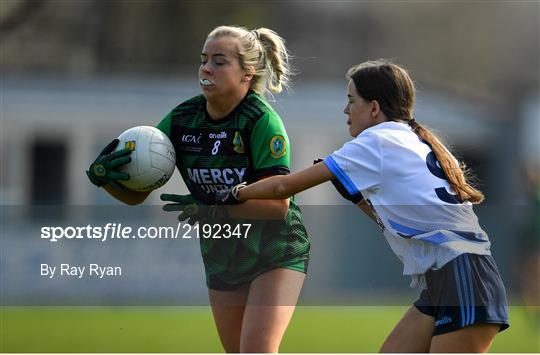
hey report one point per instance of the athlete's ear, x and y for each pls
(248, 74)
(375, 109)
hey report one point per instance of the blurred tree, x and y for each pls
(474, 47)
(13, 13)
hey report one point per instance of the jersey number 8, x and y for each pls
(216, 147)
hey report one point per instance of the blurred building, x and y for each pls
(57, 127)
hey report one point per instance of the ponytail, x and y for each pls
(454, 171)
(278, 69)
(263, 53)
(392, 87)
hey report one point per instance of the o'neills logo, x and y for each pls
(190, 138)
(220, 135)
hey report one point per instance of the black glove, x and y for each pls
(192, 210)
(341, 189)
(103, 170)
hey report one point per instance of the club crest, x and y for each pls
(238, 143)
(278, 146)
(130, 145)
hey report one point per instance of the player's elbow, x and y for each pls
(281, 191)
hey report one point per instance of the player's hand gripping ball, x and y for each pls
(103, 171)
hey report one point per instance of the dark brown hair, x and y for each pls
(392, 87)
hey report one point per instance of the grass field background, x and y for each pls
(185, 329)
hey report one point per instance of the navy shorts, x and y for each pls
(467, 290)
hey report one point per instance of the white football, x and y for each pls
(152, 160)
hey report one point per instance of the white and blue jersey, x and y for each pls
(421, 217)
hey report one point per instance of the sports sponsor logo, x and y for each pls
(212, 180)
(191, 138)
(444, 320)
(278, 146)
(228, 176)
(220, 135)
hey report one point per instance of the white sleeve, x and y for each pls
(357, 165)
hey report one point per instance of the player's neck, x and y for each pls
(219, 107)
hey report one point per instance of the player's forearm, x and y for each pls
(284, 186)
(129, 197)
(271, 188)
(260, 209)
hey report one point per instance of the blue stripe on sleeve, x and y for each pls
(340, 175)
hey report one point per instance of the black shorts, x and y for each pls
(467, 290)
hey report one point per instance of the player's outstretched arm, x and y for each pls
(284, 186)
(260, 209)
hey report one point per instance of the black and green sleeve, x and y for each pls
(165, 125)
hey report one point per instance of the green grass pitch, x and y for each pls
(184, 329)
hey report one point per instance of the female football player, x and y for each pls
(226, 136)
(405, 179)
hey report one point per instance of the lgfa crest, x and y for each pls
(238, 143)
(278, 146)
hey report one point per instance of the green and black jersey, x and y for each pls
(248, 144)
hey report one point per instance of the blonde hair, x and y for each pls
(392, 87)
(263, 53)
